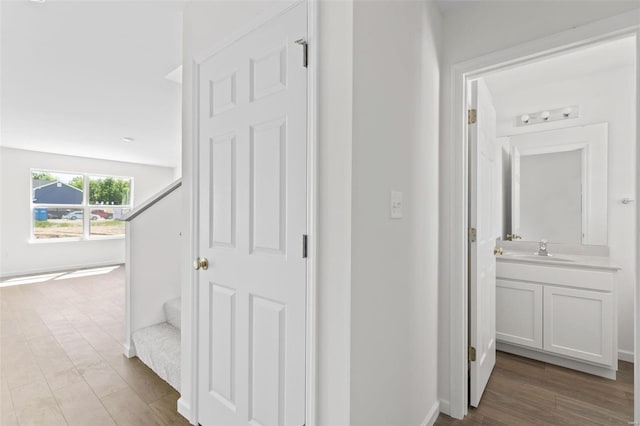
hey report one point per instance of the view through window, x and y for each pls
(80, 206)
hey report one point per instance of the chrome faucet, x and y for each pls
(542, 249)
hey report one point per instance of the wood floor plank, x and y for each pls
(528, 392)
(61, 358)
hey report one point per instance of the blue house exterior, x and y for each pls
(57, 193)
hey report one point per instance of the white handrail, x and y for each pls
(151, 201)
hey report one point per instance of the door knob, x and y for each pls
(498, 250)
(201, 263)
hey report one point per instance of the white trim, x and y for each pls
(192, 279)
(191, 411)
(432, 415)
(625, 356)
(185, 410)
(445, 407)
(601, 31)
(129, 350)
(61, 269)
(312, 210)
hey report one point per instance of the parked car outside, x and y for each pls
(103, 214)
(78, 214)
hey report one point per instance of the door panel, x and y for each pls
(519, 313)
(483, 215)
(252, 216)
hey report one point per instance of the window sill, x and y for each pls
(73, 240)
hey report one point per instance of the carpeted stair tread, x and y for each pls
(158, 346)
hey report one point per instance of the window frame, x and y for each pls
(86, 207)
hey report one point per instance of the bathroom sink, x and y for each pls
(535, 256)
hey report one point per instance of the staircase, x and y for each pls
(152, 292)
(158, 346)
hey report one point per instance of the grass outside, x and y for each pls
(62, 228)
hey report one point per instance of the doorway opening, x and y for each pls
(463, 74)
(551, 190)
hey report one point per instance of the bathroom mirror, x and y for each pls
(559, 185)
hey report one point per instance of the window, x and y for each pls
(78, 206)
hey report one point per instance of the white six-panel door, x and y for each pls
(483, 216)
(252, 217)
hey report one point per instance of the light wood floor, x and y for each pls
(61, 356)
(522, 391)
(61, 363)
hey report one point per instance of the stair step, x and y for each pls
(172, 312)
(158, 346)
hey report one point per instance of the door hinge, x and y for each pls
(472, 116)
(305, 51)
(473, 233)
(472, 354)
(305, 240)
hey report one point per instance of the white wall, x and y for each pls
(606, 96)
(20, 256)
(477, 30)
(394, 262)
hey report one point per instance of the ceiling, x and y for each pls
(79, 77)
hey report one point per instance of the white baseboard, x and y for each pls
(625, 356)
(432, 416)
(59, 269)
(445, 407)
(129, 350)
(184, 409)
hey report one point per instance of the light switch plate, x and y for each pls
(396, 205)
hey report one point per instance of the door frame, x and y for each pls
(189, 408)
(616, 27)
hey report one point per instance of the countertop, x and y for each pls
(559, 260)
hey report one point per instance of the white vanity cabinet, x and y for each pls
(560, 313)
(579, 324)
(519, 313)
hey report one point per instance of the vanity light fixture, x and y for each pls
(547, 115)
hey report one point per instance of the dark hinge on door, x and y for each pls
(472, 353)
(473, 234)
(304, 246)
(305, 51)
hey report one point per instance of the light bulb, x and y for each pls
(545, 115)
(525, 118)
(567, 112)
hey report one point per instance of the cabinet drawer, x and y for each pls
(579, 324)
(519, 313)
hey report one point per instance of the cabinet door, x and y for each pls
(519, 313)
(579, 324)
